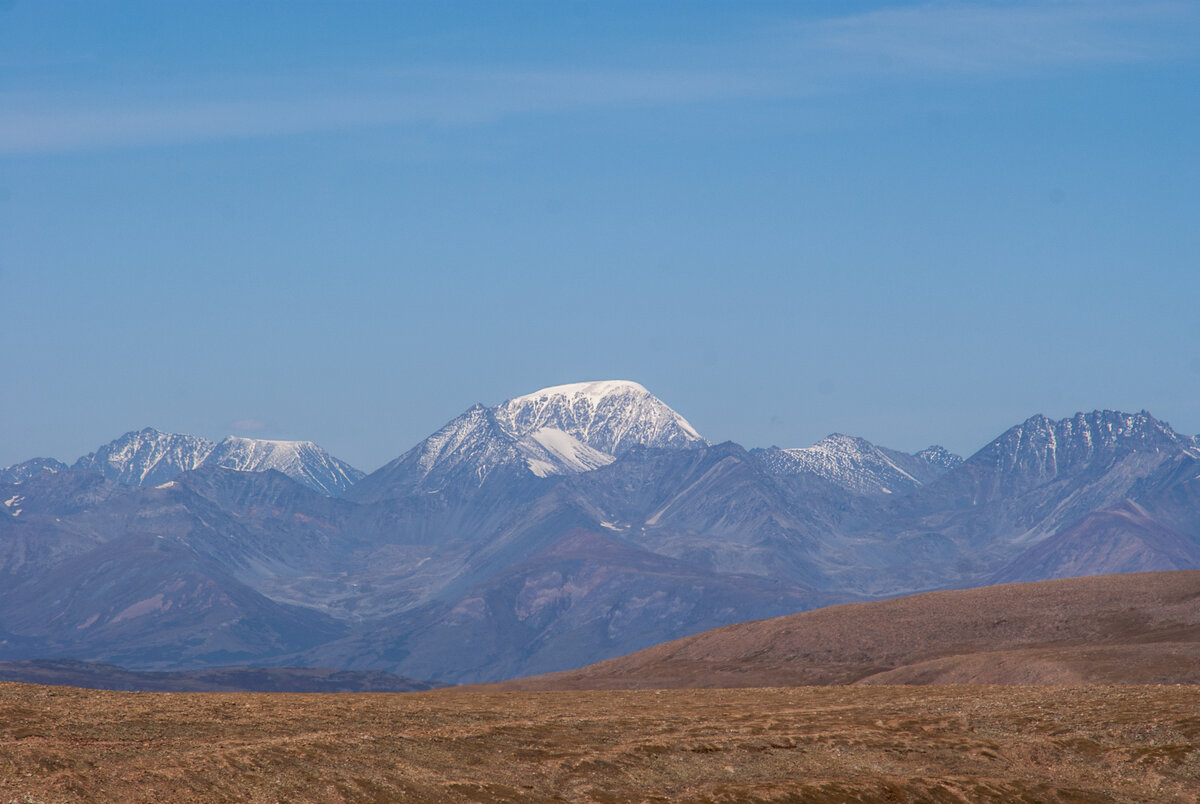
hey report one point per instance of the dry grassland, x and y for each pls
(831, 744)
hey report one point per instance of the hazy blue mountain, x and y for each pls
(303, 461)
(148, 457)
(859, 466)
(20, 472)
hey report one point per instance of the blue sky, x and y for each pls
(347, 222)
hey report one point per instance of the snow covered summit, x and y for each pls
(561, 430)
(612, 416)
(300, 460)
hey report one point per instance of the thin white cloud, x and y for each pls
(987, 38)
(1001, 38)
(64, 123)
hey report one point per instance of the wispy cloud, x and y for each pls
(41, 123)
(1001, 38)
(994, 38)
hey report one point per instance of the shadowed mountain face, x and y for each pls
(1141, 629)
(583, 594)
(571, 525)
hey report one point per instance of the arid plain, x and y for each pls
(818, 744)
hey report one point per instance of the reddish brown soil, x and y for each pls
(829, 744)
(1115, 629)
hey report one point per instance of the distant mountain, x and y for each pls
(939, 456)
(583, 594)
(148, 457)
(1040, 452)
(561, 430)
(859, 466)
(303, 461)
(611, 416)
(1034, 480)
(556, 529)
(20, 472)
(1155, 526)
(1042, 475)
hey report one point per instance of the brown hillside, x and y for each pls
(1115, 629)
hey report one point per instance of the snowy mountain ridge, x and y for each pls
(859, 466)
(20, 472)
(148, 457)
(1041, 449)
(300, 460)
(1084, 435)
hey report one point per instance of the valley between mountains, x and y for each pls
(557, 529)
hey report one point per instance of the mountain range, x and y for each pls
(558, 528)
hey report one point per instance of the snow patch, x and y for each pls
(594, 391)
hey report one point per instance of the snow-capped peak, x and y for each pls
(560, 430)
(612, 416)
(594, 391)
(301, 460)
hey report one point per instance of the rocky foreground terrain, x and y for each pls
(811, 744)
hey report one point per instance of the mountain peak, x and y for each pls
(301, 460)
(938, 455)
(146, 457)
(594, 391)
(1040, 449)
(611, 416)
(859, 466)
(558, 430)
